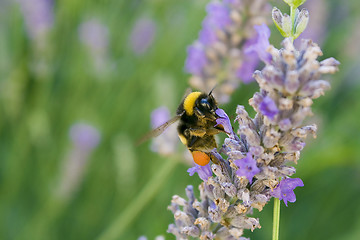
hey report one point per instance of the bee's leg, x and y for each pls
(198, 132)
(214, 159)
(214, 131)
(199, 113)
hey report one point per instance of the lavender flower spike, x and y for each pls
(196, 60)
(38, 15)
(260, 153)
(256, 159)
(142, 35)
(285, 190)
(217, 56)
(84, 136)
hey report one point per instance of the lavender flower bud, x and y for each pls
(214, 213)
(203, 222)
(191, 231)
(229, 189)
(301, 22)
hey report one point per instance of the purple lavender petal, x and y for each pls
(204, 172)
(142, 35)
(224, 120)
(193, 170)
(247, 167)
(285, 190)
(268, 107)
(196, 59)
(261, 44)
(84, 136)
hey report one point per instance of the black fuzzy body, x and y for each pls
(202, 119)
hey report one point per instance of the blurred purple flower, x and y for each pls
(285, 190)
(224, 121)
(207, 35)
(39, 16)
(204, 172)
(196, 59)
(260, 43)
(268, 107)
(95, 35)
(247, 167)
(159, 116)
(233, 2)
(142, 35)
(84, 136)
(218, 15)
(250, 62)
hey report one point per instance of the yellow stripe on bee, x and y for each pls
(183, 139)
(189, 102)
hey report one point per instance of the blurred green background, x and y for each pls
(69, 62)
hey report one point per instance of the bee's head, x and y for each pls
(206, 105)
(200, 104)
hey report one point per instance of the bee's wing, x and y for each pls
(157, 131)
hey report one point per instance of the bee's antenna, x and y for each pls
(212, 89)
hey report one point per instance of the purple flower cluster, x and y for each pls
(95, 36)
(142, 35)
(257, 166)
(260, 157)
(254, 51)
(84, 138)
(227, 50)
(38, 15)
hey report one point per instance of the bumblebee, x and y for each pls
(196, 128)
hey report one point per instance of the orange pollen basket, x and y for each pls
(200, 158)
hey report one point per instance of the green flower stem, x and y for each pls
(122, 222)
(292, 16)
(276, 219)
